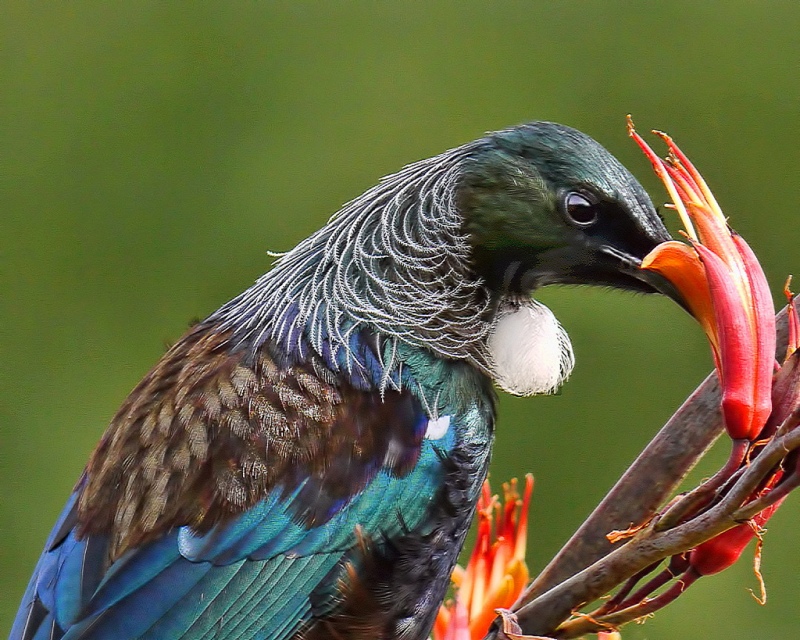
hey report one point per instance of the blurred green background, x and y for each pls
(151, 154)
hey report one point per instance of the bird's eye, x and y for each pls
(580, 209)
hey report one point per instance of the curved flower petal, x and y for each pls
(763, 328)
(786, 383)
(501, 597)
(660, 169)
(680, 264)
(791, 310)
(737, 349)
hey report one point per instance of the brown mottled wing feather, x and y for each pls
(211, 430)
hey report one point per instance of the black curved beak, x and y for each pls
(652, 282)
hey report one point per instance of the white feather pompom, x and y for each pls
(530, 350)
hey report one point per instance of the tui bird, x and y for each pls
(305, 462)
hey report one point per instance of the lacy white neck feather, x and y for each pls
(394, 260)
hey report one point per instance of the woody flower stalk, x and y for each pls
(496, 572)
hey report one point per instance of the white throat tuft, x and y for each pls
(530, 350)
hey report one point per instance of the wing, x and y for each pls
(229, 497)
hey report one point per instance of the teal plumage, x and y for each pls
(305, 462)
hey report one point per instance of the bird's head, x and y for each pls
(546, 204)
(445, 253)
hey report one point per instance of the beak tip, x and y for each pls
(663, 286)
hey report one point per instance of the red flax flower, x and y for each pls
(724, 286)
(723, 550)
(496, 573)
